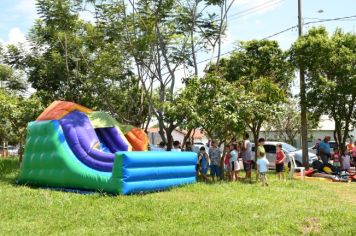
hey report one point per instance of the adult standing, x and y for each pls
(324, 150)
(215, 157)
(246, 154)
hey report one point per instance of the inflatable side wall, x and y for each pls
(157, 171)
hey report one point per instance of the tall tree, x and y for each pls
(330, 66)
(260, 66)
(71, 59)
(162, 38)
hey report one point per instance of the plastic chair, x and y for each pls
(294, 167)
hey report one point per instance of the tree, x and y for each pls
(286, 123)
(210, 103)
(70, 59)
(330, 64)
(162, 37)
(260, 66)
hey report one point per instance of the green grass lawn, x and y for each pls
(283, 208)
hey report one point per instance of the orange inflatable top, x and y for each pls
(138, 139)
(58, 109)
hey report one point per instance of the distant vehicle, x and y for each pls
(11, 150)
(198, 145)
(270, 148)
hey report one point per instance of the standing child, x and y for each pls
(336, 158)
(260, 149)
(354, 154)
(226, 161)
(234, 162)
(280, 157)
(262, 167)
(346, 160)
(204, 163)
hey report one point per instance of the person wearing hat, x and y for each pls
(324, 150)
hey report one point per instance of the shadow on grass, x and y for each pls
(9, 169)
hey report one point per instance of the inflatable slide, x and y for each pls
(71, 146)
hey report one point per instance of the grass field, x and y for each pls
(283, 208)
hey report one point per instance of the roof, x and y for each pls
(58, 109)
(198, 134)
(325, 124)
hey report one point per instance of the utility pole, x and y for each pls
(303, 104)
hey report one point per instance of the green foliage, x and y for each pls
(74, 60)
(15, 113)
(329, 63)
(261, 69)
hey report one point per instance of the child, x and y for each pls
(260, 149)
(234, 162)
(354, 154)
(336, 158)
(346, 161)
(280, 156)
(226, 161)
(204, 163)
(262, 167)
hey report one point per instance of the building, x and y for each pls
(325, 127)
(178, 134)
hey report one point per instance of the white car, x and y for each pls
(198, 145)
(270, 148)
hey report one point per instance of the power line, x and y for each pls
(251, 10)
(254, 9)
(285, 30)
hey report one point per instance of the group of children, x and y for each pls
(342, 159)
(229, 160)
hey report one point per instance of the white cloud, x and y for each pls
(26, 8)
(16, 36)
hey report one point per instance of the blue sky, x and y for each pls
(271, 16)
(17, 16)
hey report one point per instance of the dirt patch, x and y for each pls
(311, 225)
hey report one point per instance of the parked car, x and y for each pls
(270, 148)
(198, 145)
(11, 151)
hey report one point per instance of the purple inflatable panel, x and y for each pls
(81, 138)
(116, 138)
(106, 140)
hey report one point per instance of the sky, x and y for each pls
(266, 18)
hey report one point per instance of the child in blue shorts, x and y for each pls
(262, 167)
(204, 162)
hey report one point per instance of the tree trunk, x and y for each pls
(169, 140)
(255, 133)
(187, 137)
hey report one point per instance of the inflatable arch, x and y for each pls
(70, 146)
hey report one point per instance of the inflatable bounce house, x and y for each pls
(71, 146)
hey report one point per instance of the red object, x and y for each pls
(279, 156)
(58, 109)
(309, 172)
(336, 157)
(227, 157)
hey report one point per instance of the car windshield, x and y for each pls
(288, 148)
